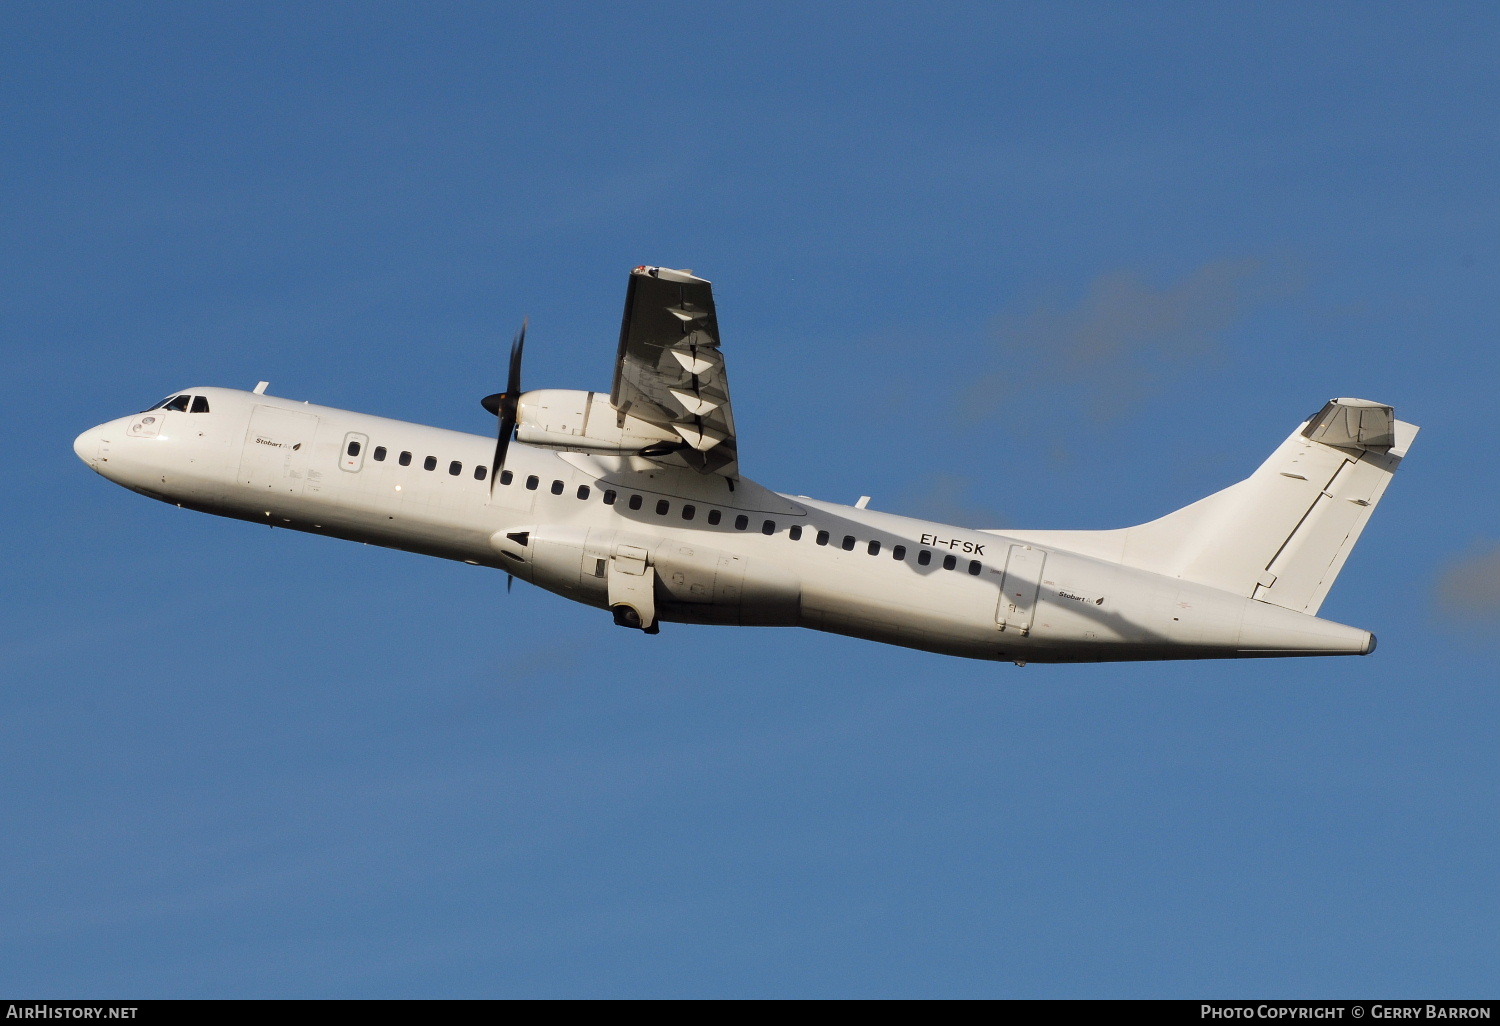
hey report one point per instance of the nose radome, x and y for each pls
(86, 446)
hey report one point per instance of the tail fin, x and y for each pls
(1282, 534)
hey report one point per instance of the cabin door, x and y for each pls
(1023, 579)
(278, 450)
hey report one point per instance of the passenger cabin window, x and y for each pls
(455, 468)
(768, 527)
(662, 506)
(404, 459)
(583, 491)
(822, 538)
(689, 511)
(635, 502)
(924, 557)
(353, 449)
(481, 472)
(898, 553)
(506, 477)
(379, 454)
(200, 404)
(974, 567)
(950, 561)
(873, 548)
(430, 463)
(610, 496)
(714, 516)
(794, 532)
(741, 522)
(557, 487)
(532, 482)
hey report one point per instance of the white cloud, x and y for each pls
(945, 499)
(1468, 588)
(1125, 338)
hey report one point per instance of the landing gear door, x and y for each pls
(632, 588)
(1023, 579)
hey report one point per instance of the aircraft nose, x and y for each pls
(86, 445)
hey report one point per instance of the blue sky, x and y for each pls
(1037, 265)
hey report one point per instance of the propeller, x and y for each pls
(503, 405)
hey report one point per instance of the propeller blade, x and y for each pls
(513, 384)
(509, 580)
(503, 405)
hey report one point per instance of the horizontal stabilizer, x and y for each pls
(1354, 424)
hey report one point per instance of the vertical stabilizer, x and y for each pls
(1281, 535)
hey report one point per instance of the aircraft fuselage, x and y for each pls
(701, 547)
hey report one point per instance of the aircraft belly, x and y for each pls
(1144, 615)
(1087, 610)
(938, 612)
(697, 583)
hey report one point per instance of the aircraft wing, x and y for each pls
(670, 372)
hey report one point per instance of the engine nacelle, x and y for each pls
(566, 418)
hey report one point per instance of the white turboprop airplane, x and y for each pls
(634, 502)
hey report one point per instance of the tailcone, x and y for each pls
(1273, 630)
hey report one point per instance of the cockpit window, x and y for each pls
(180, 403)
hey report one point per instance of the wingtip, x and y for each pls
(668, 273)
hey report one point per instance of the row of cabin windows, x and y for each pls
(742, 523)
(664, 507)
(455, 467)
